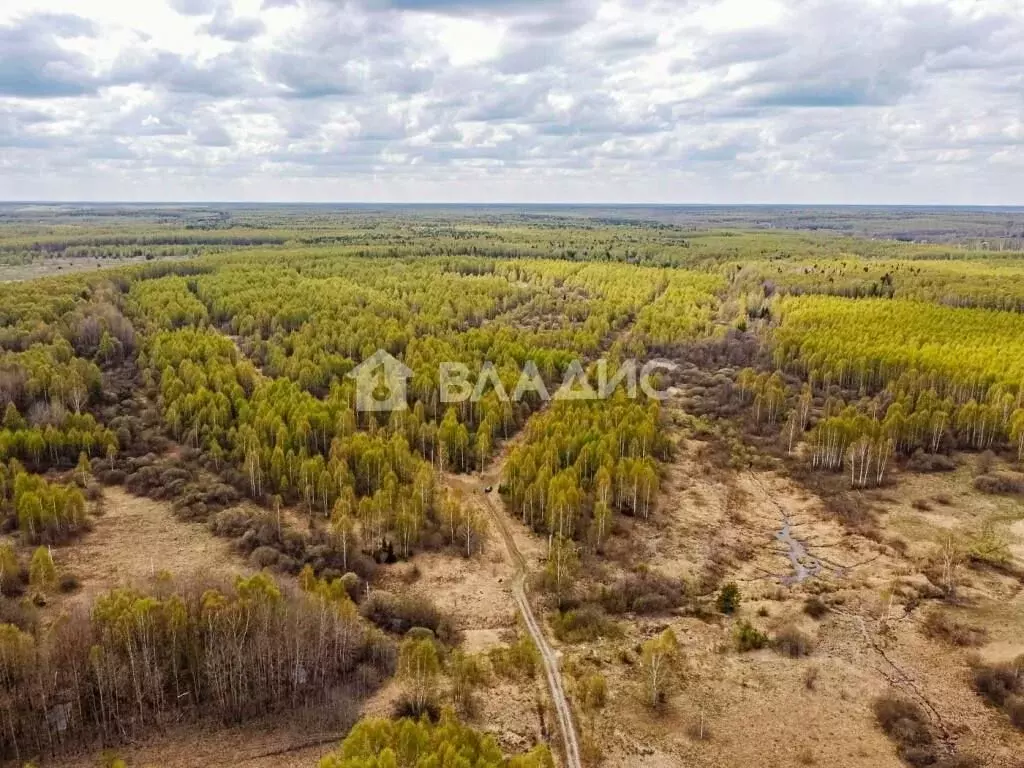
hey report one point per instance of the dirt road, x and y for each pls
(475, 488)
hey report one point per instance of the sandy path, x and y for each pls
(474, 486)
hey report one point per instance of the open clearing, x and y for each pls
(136, 538)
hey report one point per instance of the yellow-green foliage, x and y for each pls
(53, 373)
(42, 572)
(418, 666)
(994, 285)
(419, 744)
(658, 660)
(683, 312)
(44, 511)
(961, 353)
(308, 318)
(582, 461)
(941, 377)
(10, 568)
(467, 672)
(521, 659)
(57, 444)
(167, 302)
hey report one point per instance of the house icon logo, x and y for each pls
(381, 383)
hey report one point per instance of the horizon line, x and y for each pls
(477, 204)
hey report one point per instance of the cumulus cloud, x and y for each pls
(604, 100)
(34, 63)
(225, 24)
(194, 7)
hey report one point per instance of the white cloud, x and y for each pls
(513, 100)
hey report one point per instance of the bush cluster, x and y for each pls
(643, 593)
(1002, 686)
(399, 614)
(583, 624)
(1000, 483)
(939, 625)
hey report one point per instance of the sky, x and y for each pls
(583, 101)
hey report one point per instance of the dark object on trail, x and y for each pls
(488, 489)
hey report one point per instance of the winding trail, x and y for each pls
(475, 488)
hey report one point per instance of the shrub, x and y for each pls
(930, 462)
(407, 706)
(231, 523)
(729, 599)
(651, 604)
(644, 593)
(991, 547)
(958, 761)
(749, 638)
(1014, 707)
(68, 583)
(264, 557)
(919, 757)
(998, 683)
(593, 692)
(811, 678)
(938, 625)
(906, 724)
(851, 511)
(222, 494)
(399, 614)
(20, 613)
(903, 721)
(582, 625)
(793, 642)
(12, 588)
(815, 607)
(984, 463)
(521, 659)
(1000, 483)
(699, 730)
(420, 633)
(111, 476)
(354, 586)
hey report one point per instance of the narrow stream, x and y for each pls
(805, 565)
